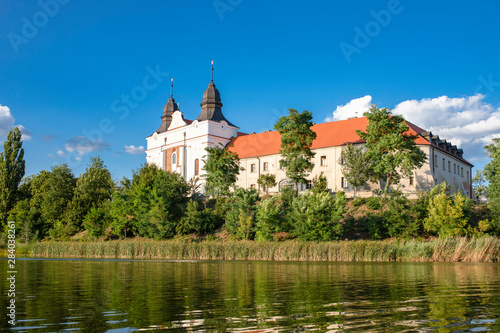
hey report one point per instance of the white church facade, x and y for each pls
(178, 145)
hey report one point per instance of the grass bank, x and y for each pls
(474, 249)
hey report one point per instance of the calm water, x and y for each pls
(122, 296)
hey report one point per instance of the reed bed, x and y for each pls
(473, 249)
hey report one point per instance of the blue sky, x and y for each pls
(88, 78)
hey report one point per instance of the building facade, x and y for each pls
(178, 145)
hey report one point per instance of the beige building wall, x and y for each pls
(326, 161)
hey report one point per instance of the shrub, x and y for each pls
(374, 203)
(447, 214)
(198, 219)
(96, 221)
(317, 216)
(399, 222)
(358, 202)
(240, 214)
(269, 218)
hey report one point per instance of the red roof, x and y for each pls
(335, 133)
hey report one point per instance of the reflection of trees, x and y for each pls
(101, 295)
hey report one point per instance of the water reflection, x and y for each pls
(116, 295)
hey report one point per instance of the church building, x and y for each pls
(178, 145)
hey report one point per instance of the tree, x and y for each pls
(492, 175)
(447, 214)
(12, 167)
(356, 165)
(267, 180)
(478, 183)
(222, 168)
(151, 204)
(316, 216)
(93, 189)
(319, 183)
(296, 141)
(390, 147)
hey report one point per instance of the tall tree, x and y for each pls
(492, 175)
(296, 141)
(391, 148)
(267, 180)
(93, 188)
(356, 165)
(479, 184)
(12, 167)
(222, 168)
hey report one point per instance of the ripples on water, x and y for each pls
(125, 296)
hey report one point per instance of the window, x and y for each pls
(252, 167)
(435, 161)
(174, 158)
(196, 167)
(467, 175)
(454, 168)
(309, 185)
(265, 166)
(252, 185)
(449, 166)
(444, 165)
(345, 184)
(323, 161)
(462, 172)
(412, 180)
(341, 161)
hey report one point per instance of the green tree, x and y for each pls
(198, 219)
(12, 167)
(93, 189)
(240, 216)
(319, 183)
(479, 183)
(267, 180)
(390, 147)
(317, 216)
(492, 175)
(356, 165)
(222, 168)
(269, 218)
(447, 215)
(296, 141)
(151, 204)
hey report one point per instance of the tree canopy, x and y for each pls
(296, 141)
(12, 167)
(390, 147)
(222, 168)
(492, 175)
(356, 164)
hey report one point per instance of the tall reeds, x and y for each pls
(474, 249)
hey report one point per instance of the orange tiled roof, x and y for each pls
(335, 133)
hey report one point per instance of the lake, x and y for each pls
(128, 295)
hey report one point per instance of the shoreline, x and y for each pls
(459, 249)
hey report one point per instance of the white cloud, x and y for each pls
(6, 120)
(7, 123)
(468, 122)
(26, 134)
(134, 150)
(61, 153)
(355, 108)
(82, 145)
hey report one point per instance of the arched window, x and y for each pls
(196, 167)
(174, 158)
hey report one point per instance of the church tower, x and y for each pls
(179, 144)
(168, 110)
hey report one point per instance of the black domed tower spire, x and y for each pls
(168, 110)
(211, 105)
